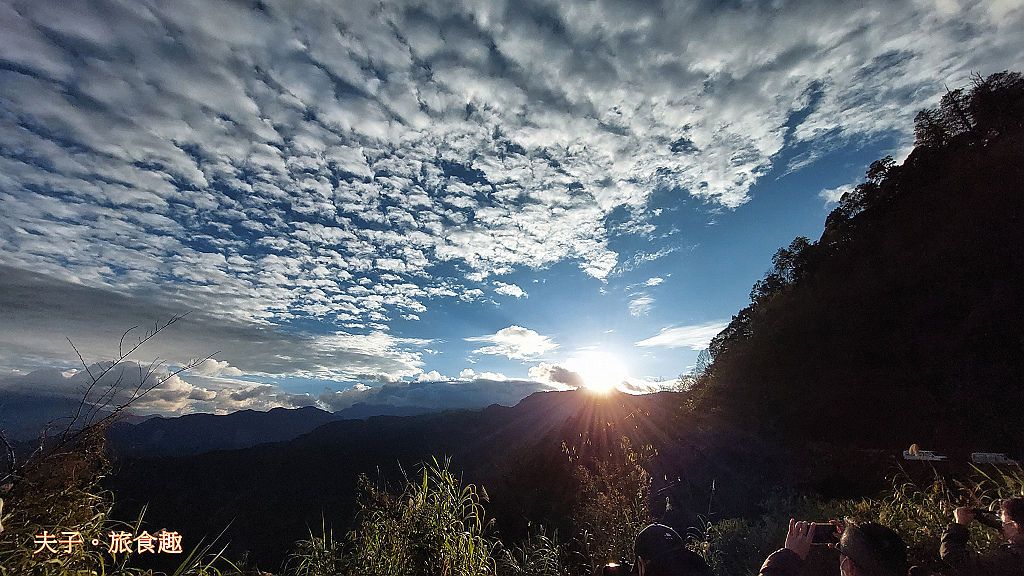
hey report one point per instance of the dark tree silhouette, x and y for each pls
(906, 316)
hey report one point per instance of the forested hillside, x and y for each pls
(904, 322)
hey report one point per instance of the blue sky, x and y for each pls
(434, 204)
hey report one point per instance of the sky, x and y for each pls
(433, 204)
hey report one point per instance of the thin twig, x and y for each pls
(10, 455)
(110, 393)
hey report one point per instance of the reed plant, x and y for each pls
(538, 555)
(318, 556)
(435, 527)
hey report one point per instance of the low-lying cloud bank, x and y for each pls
(28, 402)
(53, 395)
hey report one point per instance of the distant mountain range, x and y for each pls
(198, 433)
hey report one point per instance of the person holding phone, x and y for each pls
(865, 549)
(1007, 560)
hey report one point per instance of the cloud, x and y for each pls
(191, 393)
(509, 290)
(144, 389)
(213, 367)
(695, 337)
(478, 392)
(556, 374)
(261, 397)
(636, 386)
(279, 157)
(34, 332)
(515, 342)
(432, 376)
(315, 164)
(164, 393)
(641, 306)
(832, 195)
(654, 281)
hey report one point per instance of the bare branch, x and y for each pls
(120, 345)
(10, 455)
(109, 394)
(85, 397)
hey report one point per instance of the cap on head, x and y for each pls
(655, 541)
(874, 548)
(665, 553)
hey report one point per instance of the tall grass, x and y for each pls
(436, 527)
(318, 556)
(612, 508)
(539, 554)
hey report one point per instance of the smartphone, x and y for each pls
(825, 534)
(988, 518)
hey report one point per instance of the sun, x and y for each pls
(601, 372)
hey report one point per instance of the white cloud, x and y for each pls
(181, 155)
(641, 306)
(477, 392)
(654, 281)
(832, 195)
(321, 160)
(432, 376)
(213, 367)
(515, 342)
(695, 337)
(162, 392)
(509, 289)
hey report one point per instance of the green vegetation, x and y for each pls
(56, 496)
(612, 506)
(436, 526)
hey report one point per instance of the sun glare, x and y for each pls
(600, 372)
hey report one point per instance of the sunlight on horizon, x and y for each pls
(601, 372)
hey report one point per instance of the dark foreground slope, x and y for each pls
(905, 321)
(270, 495)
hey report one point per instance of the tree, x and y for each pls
(738, 329)
(996, 103)
(993, 106)
(787, 264)
(879, 169)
